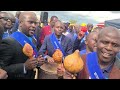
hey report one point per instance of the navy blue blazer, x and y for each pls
(66, 44)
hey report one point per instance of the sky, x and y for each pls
(83, 16)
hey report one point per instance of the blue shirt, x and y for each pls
(5, 34)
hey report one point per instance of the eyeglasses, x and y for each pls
(6, 19)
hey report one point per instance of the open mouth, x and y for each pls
(94, 48)
(106, 55)
(32, 31)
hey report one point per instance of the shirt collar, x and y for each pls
(23, 33)
(108, 69)
(18, 30)
(59, 38)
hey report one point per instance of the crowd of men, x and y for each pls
(25, 27)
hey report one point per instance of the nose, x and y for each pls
(59, 29)
(9, 22)
(109, 47)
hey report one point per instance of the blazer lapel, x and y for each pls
(63, 41)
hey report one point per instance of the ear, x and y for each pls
(20, 23)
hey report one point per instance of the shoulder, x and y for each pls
(47, 37)
(8, 45)
(117, 62)
(66, 38)
(8, 40)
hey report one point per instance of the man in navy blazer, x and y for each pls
(64, 41)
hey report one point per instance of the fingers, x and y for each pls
(50, 60)
(40, 60)
(3, 74)
(39, 56)
(70, 75)
(32, 59)
(67, 75)
(5, 77)
(31, 64)
(60, 70)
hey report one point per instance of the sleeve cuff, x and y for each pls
(25, 70)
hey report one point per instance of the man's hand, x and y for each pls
(60, 70)
(50, 59)
(40, 60)
(3, 74)
(31, 63)
(68, 75)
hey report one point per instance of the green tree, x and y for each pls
(72, 21)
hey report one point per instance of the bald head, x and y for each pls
(28, 23)
(25, 15)
(111, 30)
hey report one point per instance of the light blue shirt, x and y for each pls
(5, 34)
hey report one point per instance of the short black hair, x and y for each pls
(51, 19)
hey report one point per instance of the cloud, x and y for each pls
(83, 16)
(99, 16)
